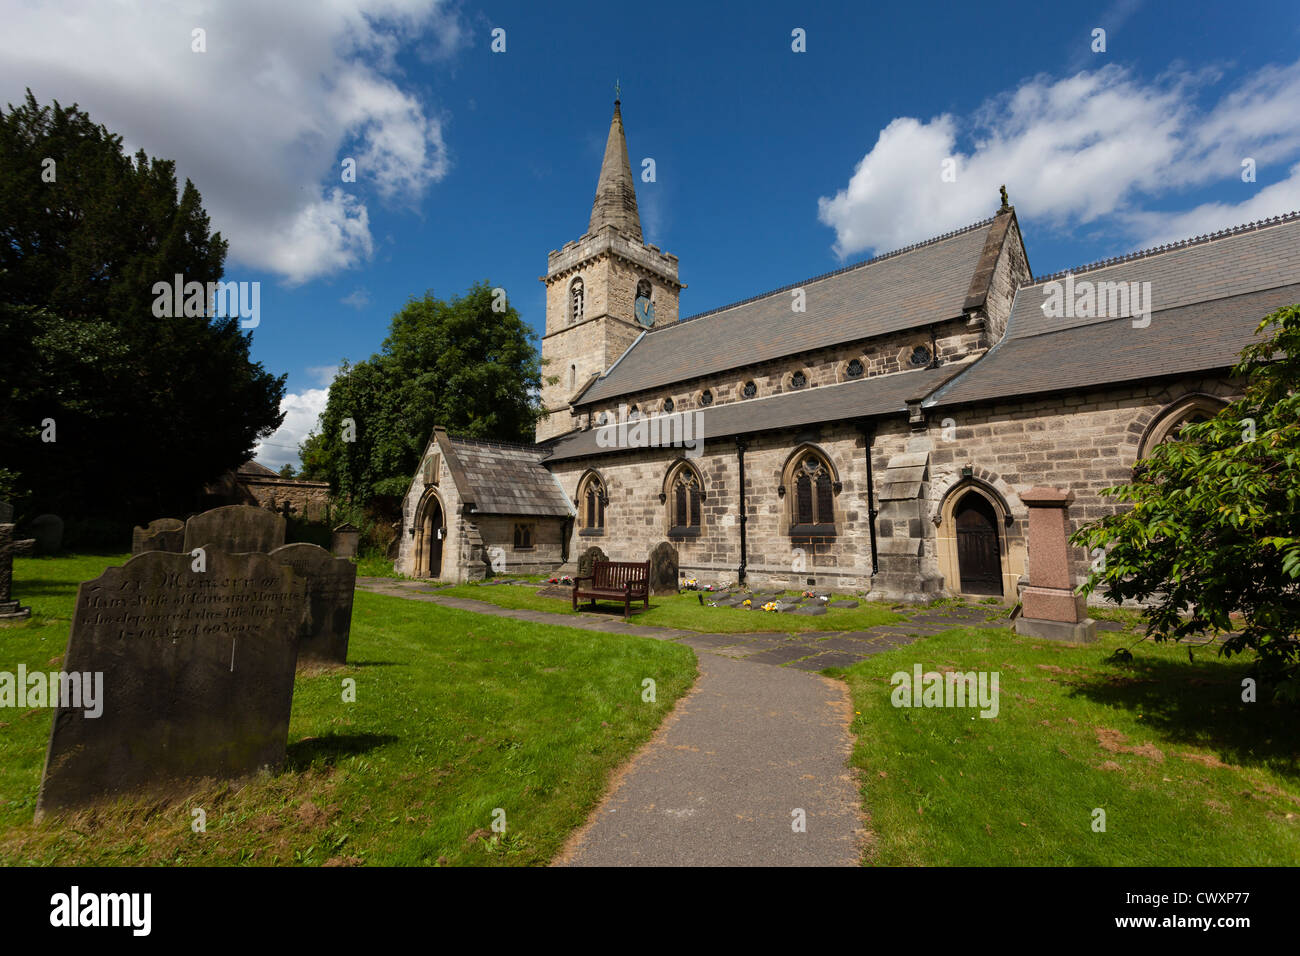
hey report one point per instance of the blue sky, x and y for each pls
(771, 165)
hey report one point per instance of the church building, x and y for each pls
(869, 429)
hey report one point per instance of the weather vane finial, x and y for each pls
(1005, 203)
(618, 92)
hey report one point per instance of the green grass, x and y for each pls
(456, 715)
(685, 612)
(1187, 774)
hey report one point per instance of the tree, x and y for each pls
(287, 470)
(468, 364)
(144, 410)
(1213, 537)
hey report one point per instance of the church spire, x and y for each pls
(615, 203)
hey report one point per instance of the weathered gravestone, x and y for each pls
(47, 533)
(345, 539)
(198, 670)
(10, 610)
(235, 529)
(331, 583)
(663, 569)
(587, 558)
(162, 534)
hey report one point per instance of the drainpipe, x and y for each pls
(741, 445)
(868, 430)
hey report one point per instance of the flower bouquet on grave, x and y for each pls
(552, 580)
(690, 584)
(808, 594)
(747, 604)
(769, 606)
(566, 580)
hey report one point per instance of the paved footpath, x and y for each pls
(746, 755)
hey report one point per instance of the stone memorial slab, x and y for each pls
(235, 529)
(663, 570)
(843, 604)
(198, 670)
(345, 540)
(811, 609)
(587, 557)
(161, 534)
(47, 532)
(10, 609)
(331, 584)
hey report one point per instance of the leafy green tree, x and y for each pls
(287, 470)
(1213, 537)
(144, 410)
(462, 364)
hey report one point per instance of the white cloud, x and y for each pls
(1071, 151)
(358, 298)
(323, 374)
(262, 120)
(301, 410)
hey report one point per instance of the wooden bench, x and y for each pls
(625, 581)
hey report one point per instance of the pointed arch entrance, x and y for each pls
(430, 533)
(977, 548)
(979, 554)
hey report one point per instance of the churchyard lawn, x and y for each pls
(1187, 774)
(685, 612)
(456, 715)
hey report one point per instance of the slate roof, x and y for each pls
(863, 398)
(257, 469)
(1208, 295)
(505, 479)
(925, 283)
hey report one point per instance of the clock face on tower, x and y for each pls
(645, 311)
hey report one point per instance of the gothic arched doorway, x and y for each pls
(979, 556)
(429, 534)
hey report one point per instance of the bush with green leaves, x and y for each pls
(1212, 541)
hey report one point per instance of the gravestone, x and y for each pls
(198, 670)
(235, 529)
(47, 532)
(331, 583)
(10, 610)
(663, 570)
(586, 559)
(1051, 608)
(345, 540)
(161, 534)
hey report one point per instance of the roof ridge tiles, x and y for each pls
(834, 272)
(1167, 247)
(493, 443)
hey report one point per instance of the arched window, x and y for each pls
(810, 488)
(669, 405)
(854, 368)
(798, 380)
(683, 495)
(592, 499)
(706, 397)
(576, 301)
(643, 289)
(1189, 410)
(750, 390)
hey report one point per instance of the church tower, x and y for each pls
(602, 290)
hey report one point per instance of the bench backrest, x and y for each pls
(617, 574)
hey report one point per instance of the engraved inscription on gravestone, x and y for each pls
(235, 528)
(331, 583)
(198, 675)
(587, 558)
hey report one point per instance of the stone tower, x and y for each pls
(603, 290)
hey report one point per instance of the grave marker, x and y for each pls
(198, 673)
(235, 529)
(331, 584)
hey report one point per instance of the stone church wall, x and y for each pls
(1082, 443)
